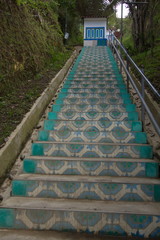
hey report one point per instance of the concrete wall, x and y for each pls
(19, 137)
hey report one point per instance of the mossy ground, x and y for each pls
(32, 52)
(18, 100)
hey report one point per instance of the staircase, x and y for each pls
(91, 168)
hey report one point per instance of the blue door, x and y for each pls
(94, 33)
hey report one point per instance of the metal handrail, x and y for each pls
(138, 69)
(144, 104)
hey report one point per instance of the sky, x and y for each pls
(125, 10)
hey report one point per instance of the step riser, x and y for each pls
(90, 222)
(82, 125)
(92, 150)
(93, 115)
(93, 90)
(93, 95)
(86, 190)
(65, 135)
(102, 80)
(99, 108)
(74, 85)
(90, 101)
(91, 168)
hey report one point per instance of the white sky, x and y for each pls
(125, 10)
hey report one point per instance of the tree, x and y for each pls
(93, 8)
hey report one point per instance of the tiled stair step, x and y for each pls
(94, 115)
(128, 167)
(94, 90)
(99, 107)
(95, 95)
(92, 75)
(114, 79)
(102, 125)
(97, 68)
(92, 134)
(91, 85)
(92, 100)
(87, 187)
(105, 217)
(80, 149)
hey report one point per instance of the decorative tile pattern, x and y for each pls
(101, 107)
(91, 150)
(93, 222)
(81, 124)
(94, 117)
(95, 168)
(114, 115)
(85, 190)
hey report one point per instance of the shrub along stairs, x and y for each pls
(91, 168)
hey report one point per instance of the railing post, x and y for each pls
(143, 96)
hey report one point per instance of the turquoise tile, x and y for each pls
(52, 115)
(123, 90)
(37, 149)
(29, 166)
(133, 116)
(140, 137)
(131, 107)
(43, 136)
(152, 169)
(62, 95)
(49, 125)
(64, 90)
(136, 126)
(56, 108)
(157, 193)
(59, 101)
(19, 188)
(7, 218)
(146, 152)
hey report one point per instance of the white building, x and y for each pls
(95, 31)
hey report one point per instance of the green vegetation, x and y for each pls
(141, 36)
(32, 52)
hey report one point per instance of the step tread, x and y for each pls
(50, 158)
(7, 234)
(144, 208)
(92, 143)
(91, 179)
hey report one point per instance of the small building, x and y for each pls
(95, 31)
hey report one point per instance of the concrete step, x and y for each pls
(102, 107)
(128, 167)
(55, 235)
(113, 115)
(107, 217)
(81, 125)
(80, 149)
(92, 134)
(87, 187)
